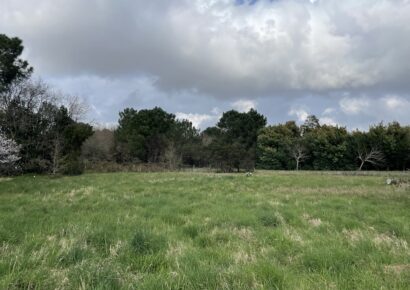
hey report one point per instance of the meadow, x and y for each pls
(193, 230)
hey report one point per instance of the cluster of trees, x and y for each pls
(242, 141)
(325, 147)
(155, 136)
(39, 133)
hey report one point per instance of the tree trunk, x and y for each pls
(56, 156)
(361, 165)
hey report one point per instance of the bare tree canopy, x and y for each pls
(375, 157)
(299, 154)
(28, 94)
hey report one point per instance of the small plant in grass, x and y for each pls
(270, 220)
(191, 231)
(144, 242)
(101, 240)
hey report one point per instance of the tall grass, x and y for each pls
(193, 230)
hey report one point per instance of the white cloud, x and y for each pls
(300, 113)
(363, 111)
(354, 106)
(396, 103)
(327, 121)
(244, 105)
(197, 120)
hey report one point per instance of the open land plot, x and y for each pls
(273, 230)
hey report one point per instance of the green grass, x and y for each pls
(274, 230)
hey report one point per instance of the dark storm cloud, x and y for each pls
(219, 53)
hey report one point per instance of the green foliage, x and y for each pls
(12, 68)
(270, 220)
(275, 145)
(331, 147)
(153, 136)
(144, 133)
(394, 141)
(71, 164)
(45, 132)
(232, 144)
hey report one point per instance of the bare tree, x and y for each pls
(298, 153)
(29, 94)
(375, 157)
(33, 94)
(171, 157)
(77, 108)
(100, 146)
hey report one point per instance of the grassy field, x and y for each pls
(273, 230)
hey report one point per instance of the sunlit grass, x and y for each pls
(274, 230)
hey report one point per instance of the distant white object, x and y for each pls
(248, 174)
(9, 150)
(391, 181)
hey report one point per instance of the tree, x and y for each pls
(12, 68)
(242, 127)
(299, 154)
(311, 123)
(143, 135)
(185, 143)
(30, 114)
(374, 157)
(74, 135)
(172, 157)
(9, 153)
(328, 148)
(275, 144)
(232, 143)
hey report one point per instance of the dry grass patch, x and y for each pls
(390, 241)
(243, 233)
(4, 179)
(243, 257)
(293, 235)
(314, 222)
(397, 269)
(353, 236)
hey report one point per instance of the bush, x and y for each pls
(72, 165)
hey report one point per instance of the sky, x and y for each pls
(347, 62)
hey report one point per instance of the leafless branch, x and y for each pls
(375, 157)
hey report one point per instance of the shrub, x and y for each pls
(144, 242)
(72, 165)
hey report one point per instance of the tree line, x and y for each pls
(242, 141)
(40, 132)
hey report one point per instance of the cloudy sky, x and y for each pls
(348, 62)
